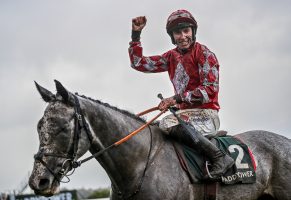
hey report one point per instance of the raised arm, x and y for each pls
(148, 64)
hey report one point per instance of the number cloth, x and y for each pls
(242, 172)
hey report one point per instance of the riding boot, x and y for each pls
(221, 162)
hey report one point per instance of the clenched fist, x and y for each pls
(139, 23)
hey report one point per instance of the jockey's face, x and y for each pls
(183, 37)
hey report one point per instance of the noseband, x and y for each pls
(71, 156)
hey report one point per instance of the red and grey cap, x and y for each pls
(181, 19)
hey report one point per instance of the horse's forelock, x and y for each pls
(58, 108)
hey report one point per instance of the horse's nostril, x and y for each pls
(43, 184)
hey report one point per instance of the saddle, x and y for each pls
(196, 165)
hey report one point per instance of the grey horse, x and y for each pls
(145, 167)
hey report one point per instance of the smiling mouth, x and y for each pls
(184, 43)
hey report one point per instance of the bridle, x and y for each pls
(71, 156)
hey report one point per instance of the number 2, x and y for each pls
(238, 160)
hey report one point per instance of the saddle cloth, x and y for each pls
(195, 164)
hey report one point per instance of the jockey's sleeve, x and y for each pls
(147, 64)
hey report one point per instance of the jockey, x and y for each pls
(194, 72)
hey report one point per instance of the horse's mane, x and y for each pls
(114, 108)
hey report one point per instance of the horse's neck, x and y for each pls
(124, 163)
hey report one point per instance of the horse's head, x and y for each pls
(60, 135)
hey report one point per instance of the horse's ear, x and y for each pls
(66, 96)
(46, 95)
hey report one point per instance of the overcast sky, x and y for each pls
(84, 45)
